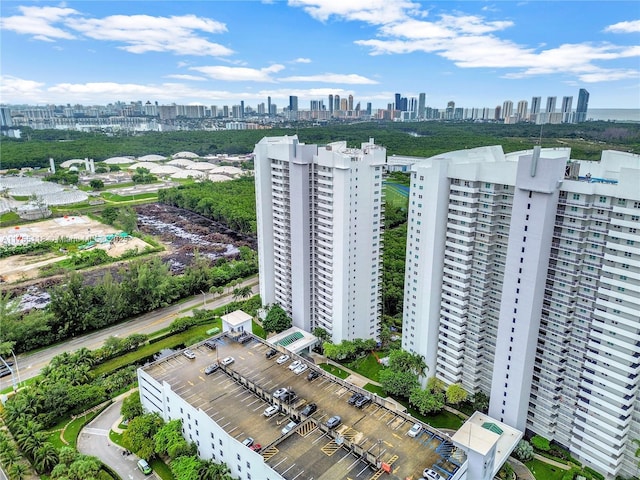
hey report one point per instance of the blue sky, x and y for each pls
(476, 53)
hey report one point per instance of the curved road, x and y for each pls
(94, 440)
(30, 364)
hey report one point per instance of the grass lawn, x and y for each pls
(394, 196)
(71, 429)
(258, 330)
(442, 419)
(152, 348)
(544, 471)
(370, 387)
(9, 217)
(126, 198)
(162, 469)
(367, 366)
(338, 372)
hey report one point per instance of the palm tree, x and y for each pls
(244, 292)
(214, 471)
(46, 457)
(18, 471)
(9, 455)
(418, 365)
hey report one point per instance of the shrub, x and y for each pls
(540, 443)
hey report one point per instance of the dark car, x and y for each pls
(211, 368)
(354, 398)
(362, 401)
(271, 353)
(333, 422)
(210, 344)
(309, 409)
(312, 374)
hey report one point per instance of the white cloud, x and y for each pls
(139, 33)
(375, 12)
(302, 60)
(179, 76)
(18, 88)
(351, 79)
(240, 74)
(632, 26)
(38, 21)
(146, 33)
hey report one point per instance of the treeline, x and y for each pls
(418, 139)
(142, 286)
(232, 203)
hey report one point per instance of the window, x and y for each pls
(576, 196)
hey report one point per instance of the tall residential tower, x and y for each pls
(523, 282)
(320, 219)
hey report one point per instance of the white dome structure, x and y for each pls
(218, 178)
(165, 170)
(184, 155)
(181, 162)
(151, 158)
(119, 160)
(147, 165)
(201, 166)
(232, 171)
(69, 163)
(189, 174)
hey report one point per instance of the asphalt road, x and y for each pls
(94, 440)
(30, 364)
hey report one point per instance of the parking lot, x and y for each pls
(235, 397)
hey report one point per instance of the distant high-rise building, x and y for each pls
(398, 101)
(583, 105)
(551, 105)
(536, 103)
(344, 104)
(522, 110)
(241, 108)
(293, 103)
(336, 103)
(422, 101)
(566, 109)
(497, 113)
(261, 109)
(320, 225)
(451, 106)
(350, 105)
(273, 110)
(331, 103)
(268, 105)
(507, 110)
(368, 108)
(5, 117)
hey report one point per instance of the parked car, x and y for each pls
(144, 466)
(312, 374)
(288, 427)
(279, 392)
(309, 409)
(227, 360)
(271, 411)
(362, 401)
(333, 422)
(247, 442)
(300, 368)
(431, 474)
(271, 353)
(211, 368)
(415, 430)
(281, 359)
(295, 364)
(354, 398)
(211, 344)
(256, 447)
(189, 354)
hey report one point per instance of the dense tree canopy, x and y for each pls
(276, 320)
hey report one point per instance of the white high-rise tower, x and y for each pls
(320, 217)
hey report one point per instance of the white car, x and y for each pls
(415, 430)
(301, 368)
(288, 427)
(189, 354)
(431, 474)
(270, 411)
(279, 392)
(227, 360)
(295, 364)
(281, 359)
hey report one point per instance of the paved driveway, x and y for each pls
(94, 440)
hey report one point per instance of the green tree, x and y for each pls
(540, 443)
(45, 458)
(436, 385)
(186, 467)
(322, 334)
(169, 441)
(210, 470)
(143, 175)
(276, 320)
(18, 471)
(96, 184)
(480, 402)
(131, 407)
(138, 437)
(523, 451)
(401, 360)
(127, 218)
(426, 401)
(398, 383)
(456, 394)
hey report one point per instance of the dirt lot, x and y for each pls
(25, 267)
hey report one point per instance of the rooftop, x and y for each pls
(236, 395)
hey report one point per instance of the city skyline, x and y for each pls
(477, 54)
